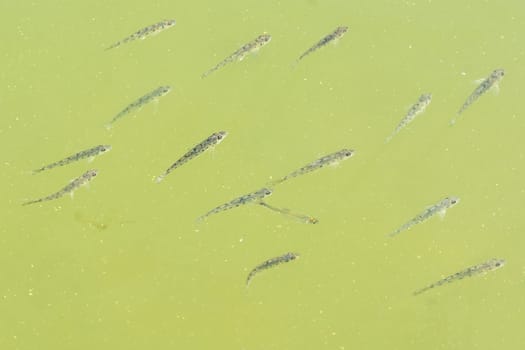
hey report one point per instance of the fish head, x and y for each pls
(341, 30)
(163, 90)
(104, 148)
(496, 263)
(292, 256)
(264, 39)
(221, 135)
(498, 73)
(426, 98)
(170, 22)
(451, 201)
(91, 173)
(265, 191)
(346, 153)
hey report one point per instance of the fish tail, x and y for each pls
(159, 178)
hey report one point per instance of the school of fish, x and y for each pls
(260, 196)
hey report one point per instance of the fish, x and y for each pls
(153, 95)
(335, 35)
(239, 55)
(485, 267)
(88, 153)
(211, 141)
(329, 159)
(305, 219)
(70, 188)
(271, 263)
(247, 198)
(145, 32)
(439, 208)
(486, 84)
(418, 107)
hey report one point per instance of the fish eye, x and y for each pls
(219, 136)
(348, 154)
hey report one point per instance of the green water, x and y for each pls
(124, 266)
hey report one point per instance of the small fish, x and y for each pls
(153, 95)
(271, 263)
(438, 208)
(211, 141)
(485, 267)
(417, 108)
(329, 159)
(305, 219)
(247, 198)
(486, 84)
(72, 186)
(239, 55)
(145, 32)
(89, 153)
(335, 35)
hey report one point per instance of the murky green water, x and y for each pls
(123, 264)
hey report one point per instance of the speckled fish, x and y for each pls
(438, 208)
(89, 153)
(491, 81)
(271, 263)
(247, 198)
(417, 108)
(485, 267)
(239, 55)
(305, 219)
(211, 141)
(145, 32)
(335, 35)
(329, 159)
(70, 188)
(151, 96)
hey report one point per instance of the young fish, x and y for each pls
(491, 81)
(145, 32)
(239, 55)
(89, 153)
(271, 263)
(211, 141)
(329, 159)
(305, 219)
(417, 108)
(335, 35)
(485, 267)
(256, 196)
(438, 208)
(72, 186)
(153, 95)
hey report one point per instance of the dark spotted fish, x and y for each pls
(418, 107)
(438, 208)
(211, 141)
(151, 96)
(305, 219)
(271, 263)
(247, 198)
(491, 81)
(239, 55)
(89, 153)
(70, 188)
(145, 32)
(485, 267)
(335, 35)
(329, 159)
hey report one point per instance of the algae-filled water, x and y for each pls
(125, 264)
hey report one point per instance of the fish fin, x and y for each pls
(90, 159)
(442, 213)
(495, 89)
(478, 81)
